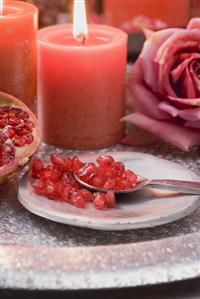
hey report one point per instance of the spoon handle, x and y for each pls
(187, 187)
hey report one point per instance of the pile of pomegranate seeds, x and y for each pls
(56, 181)
(15, 131)
(108, 174)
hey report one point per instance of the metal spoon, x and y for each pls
(187, 187)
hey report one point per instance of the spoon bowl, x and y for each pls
(185, 187)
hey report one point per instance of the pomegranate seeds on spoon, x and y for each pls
(108, 174)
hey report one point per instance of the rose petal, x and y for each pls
(183, 40)
(147, 102)
(130, 103)
(194, 23)
(166, 107)
(195, 67)
(185, 88)
(178, 71)
(137, 136)
(192, 114)
(183, 77)
(136, 73)
(179, 136)
(184, 101)
(143, 98)
(195, 73)
(148, 55)
(193, 124)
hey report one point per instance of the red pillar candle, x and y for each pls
(81, 86)
(18, 31)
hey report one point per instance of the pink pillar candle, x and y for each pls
(81, 86)
(18, 36)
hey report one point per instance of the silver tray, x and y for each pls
(39, 254)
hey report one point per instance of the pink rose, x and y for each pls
(165, 86)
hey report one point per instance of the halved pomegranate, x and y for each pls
(19, 134)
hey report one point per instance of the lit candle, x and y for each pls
(18, 32)
(81, 79)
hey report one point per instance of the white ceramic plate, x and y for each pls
(146, 208)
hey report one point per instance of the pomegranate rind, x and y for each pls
(22, 154)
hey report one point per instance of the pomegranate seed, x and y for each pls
(13, 121)
(28, 138)
(109, 184)
(10, 132)
(58, 187)
(7, 133)
(2, 112)
(19, 141)
(68, 164)
(3, 123)
(77, 199)
(22, 114)
(76, 164)
(69, 187)
(36, 167)
(110, 200)
(66, 192)
(87, 195)
(96, 181)
(123, 184)
(50, 188)
(49, 173)
(38, 184)
(99, 201)
(30, 125)
(118, 168)
(87, 170)
(65, 178)
(23, 130)
(107, 173)
(80, 203)
(131, 177)
(20, 121)
(12, 113)
(7, 148)
(57, 160)
(7, 154)
(39, 187)
(105, 160)
(68, 178)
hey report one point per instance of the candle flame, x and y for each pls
(80, 27)
(1, 7)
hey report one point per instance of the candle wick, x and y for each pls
(81, 38)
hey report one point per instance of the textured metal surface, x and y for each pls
(37, 253)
